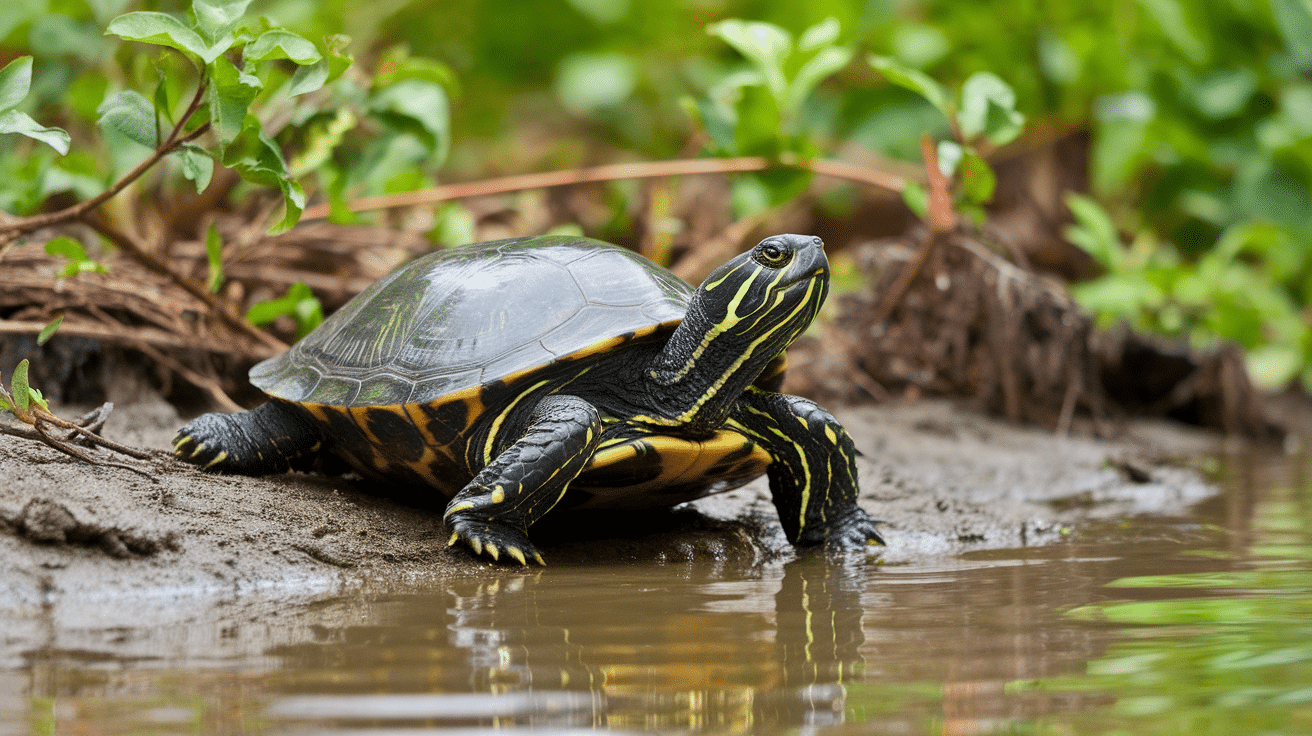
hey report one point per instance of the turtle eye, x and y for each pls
(772, 255)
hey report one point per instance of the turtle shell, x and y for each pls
(465, 316)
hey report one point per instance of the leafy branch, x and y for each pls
(983, 114)
(175, 140)
(224, 57)
(28, 406)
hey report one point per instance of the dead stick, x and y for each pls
(138, 253)
(131, 335)
(609, 172)
(206, 383)
(942, 220)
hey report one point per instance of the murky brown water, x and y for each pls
(1146, 626)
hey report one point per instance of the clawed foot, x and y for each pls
(856, 531)
(194, 445)
(501, 542)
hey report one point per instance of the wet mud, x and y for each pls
(944, 480)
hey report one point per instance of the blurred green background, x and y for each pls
(1195, 117)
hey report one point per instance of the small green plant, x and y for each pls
(1231, 292)
(76, 256)
(49, 330)
(759, 110)
(983, 112)
(214, 258)
(15, 83)
(22, 400)
(28, 406)
(299, 303)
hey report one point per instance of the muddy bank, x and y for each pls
(945, 481)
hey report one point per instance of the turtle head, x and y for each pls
(760, 301)
(743, 315)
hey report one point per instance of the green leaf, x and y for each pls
(214, 253)
(160, 29)
(1179, 28)
(282, 44)
(719, 124)
(756, 132)
(259, 160)
(131, 114)
(78, 262)
(950, 154)
(764, 44)
(68, 248)
(919, 46)
(1268, 191)
(916, 199)
(814, 71)
(18, 385)
(299, 303)
(48, 331)
(988, 108)
(231, 92)
(217, 17)
(1057, 59)
(1224, 93)
(420, 107)
(322, 137)
(196, 165)
(1002, 125)
(819, 35)
(13, 121)
(398, 64)
(1095, 232)
(38, 399)
(161, 100)
(309, 78)
(914, 80)
(15, 81)
(338, 62)
(978, 181)
(1294, 17)
(587, 82)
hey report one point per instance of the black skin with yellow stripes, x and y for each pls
(518, 376)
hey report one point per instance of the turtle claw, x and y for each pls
(856, 531)
(500, 542)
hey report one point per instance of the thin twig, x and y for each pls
(39, 418)
(97, 439)
(610, 172)
(207, 383)
(27, 225)
(138, 252)
(71, 451)
(119, 333)
(942, 220)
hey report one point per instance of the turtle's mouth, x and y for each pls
(817, 273)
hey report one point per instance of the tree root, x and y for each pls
(969, 322)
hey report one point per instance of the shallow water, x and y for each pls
(1192, 625)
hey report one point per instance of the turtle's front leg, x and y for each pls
(813, 474)
(493, 512)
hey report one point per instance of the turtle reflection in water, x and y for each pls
(513, 374)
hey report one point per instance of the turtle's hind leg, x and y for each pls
(269, 439)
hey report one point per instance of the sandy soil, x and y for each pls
(945, 481)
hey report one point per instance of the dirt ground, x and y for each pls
(945, 481)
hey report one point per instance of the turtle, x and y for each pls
(518, 376)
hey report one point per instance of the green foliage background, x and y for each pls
(1199, 113)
